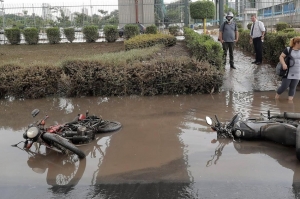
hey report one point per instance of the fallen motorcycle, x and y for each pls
(280, 128)
(36, 133)
(83, 128)
(98, 124)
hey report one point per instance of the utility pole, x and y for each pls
(186, 13)
(91, 11)
(221, 11)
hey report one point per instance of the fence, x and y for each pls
(47, 15)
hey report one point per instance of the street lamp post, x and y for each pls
(3, 24)
(2, 2)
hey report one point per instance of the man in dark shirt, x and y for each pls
(228, 34)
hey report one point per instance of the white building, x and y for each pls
(85, 11)
(46, 11)
(133, 11)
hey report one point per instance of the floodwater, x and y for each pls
(164, 150)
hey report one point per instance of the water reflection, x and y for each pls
(164, 146)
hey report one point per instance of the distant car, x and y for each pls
(1, 31)
(141, 27)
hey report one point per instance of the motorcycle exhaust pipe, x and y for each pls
(70, 133)
(77, 139)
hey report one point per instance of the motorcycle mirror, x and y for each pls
(35, 112)
(209, 120)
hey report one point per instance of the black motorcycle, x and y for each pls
(281, 128)
(37, 133)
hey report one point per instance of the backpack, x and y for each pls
(224, 28)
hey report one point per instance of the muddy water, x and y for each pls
(164, 150)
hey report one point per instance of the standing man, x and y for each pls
(257, 34)
(228, 34)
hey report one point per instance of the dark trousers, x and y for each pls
(228, 46)
(257, 43)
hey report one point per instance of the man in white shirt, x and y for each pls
(257, 33)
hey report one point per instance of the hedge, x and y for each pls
(204, 48)
(111, 33)
(151, 29)
(31, 35)
(142, 76)
(13, 35)
(131, 30)
(70, 34)
(274, 43)
(147, 40)
(90, 33)
(53, 35)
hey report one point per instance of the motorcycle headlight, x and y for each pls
(32, 132)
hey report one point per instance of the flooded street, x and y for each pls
(165, 149)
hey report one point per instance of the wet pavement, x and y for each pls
(164, 150)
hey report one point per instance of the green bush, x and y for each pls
(53, 35)
(173, 30)
(151, 29)
(204, 48)
(70, 34)
(13, 35)
(274, 43)
(90, 33)
(131, 30)
(281, 26)
(111, 33)
(31, 35)
(249, 26)
(147, 40)
(288, 30)
(168, 75)
(239, 25)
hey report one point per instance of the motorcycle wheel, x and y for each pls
(298, 142)
(108, 126)
(63, 143)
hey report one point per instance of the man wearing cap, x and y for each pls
(228, 34)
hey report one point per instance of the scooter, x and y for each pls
(281, 128)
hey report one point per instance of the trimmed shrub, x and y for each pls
(147, 40)
(173, 30)
(53, 35)
(70, 34)
(31, 35)
(281, 26)
(168, 75)
(111, 33)
(29, 82)
(13, 35)
(151, 29)
(204, 48)
(131, 30)
(124, 73)
(90, 33)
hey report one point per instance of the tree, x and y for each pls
(227, 9)
(63, 20)
(202, 10)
